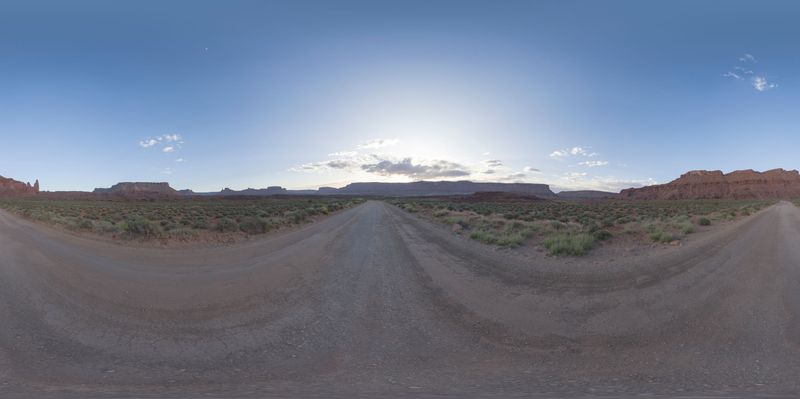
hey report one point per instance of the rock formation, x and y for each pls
(741, 184)
(11, 187)
(138, 189)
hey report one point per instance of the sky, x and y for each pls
(578, 94)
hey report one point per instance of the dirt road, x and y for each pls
(378, 302)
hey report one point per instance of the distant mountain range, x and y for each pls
(414, 189)
(420, 188)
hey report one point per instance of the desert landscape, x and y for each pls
(399, 199)
(144, 291)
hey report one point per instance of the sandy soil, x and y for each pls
(377, 302)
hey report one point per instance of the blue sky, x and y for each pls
(206, 95)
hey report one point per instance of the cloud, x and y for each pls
(167, 171)
(593, 164)
(558, 154)
(180, 160)
(584, 181)
(405, 167)
(748, 58)
(577, 151)
(343, 154)
(760, 83)
(530, 169)
(175, 141)
(732, 75)
(493, 163)
(378, 143)
(148, 143)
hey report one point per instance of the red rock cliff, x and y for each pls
(11, 187)
(741, 184)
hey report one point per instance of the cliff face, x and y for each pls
(138, 189)
(741, 184)
(11, 187)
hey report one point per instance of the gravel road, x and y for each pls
(377, 302)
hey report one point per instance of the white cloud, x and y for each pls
(378, 143)
(760, 83)
(584, 181)
(167, 171)
(148, 143)
(161, 140)
(343, 154)
(733, 75)
(531, 169)
(593, 164)
(747, 58)
(168, 149)
(577, 151)
(180, 160)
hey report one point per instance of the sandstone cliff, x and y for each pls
(741, 184)
(138, 189)
(11, 187)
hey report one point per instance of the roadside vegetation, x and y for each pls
(574, 228)
(213, 219)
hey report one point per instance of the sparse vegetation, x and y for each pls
(181, 219)
(574, 228)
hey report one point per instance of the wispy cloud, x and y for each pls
(493, 163)
(585, 181)
(168, 149)
(760, 83)
(748, 58)
(531, 169)
(378, 143)
(148, 143)
(577, 151)
(593, 164)
(743, 71)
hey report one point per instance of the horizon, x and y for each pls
(414, 181)
(305, 94)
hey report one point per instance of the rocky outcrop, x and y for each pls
(741, 184)
(11, 187)
(138, 189)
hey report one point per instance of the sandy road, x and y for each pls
(379, 302)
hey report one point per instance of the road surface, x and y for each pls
(377, 302)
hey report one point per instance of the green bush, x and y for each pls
(662, 236)
(104, 226)
(572, 244)
(183, 233)
(704, 222)
(140, 227)
(253, 225)
(226, 225)
(601, 235)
